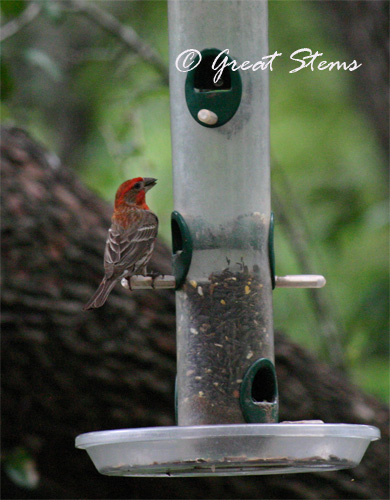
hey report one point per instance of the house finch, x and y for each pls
(131, 237)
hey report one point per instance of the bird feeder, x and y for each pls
(222, 234)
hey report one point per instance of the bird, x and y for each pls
(131, 237)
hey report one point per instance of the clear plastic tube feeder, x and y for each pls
(226, 396)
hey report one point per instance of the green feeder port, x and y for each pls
(181, 248)
(271, 250)
(213, 93)
(259, 393)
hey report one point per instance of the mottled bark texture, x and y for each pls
(65, 371)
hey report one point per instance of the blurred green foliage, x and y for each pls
(106, 113)
(12, 8)
(21, 468)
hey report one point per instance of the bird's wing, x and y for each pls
(127, 247)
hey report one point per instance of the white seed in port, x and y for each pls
(208, 117)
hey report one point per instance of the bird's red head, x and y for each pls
(132, 192)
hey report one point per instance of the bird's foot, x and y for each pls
(126, 283)
(154, 276)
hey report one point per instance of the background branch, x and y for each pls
(125, 34)
(25, 18)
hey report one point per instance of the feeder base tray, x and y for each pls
(228, 450)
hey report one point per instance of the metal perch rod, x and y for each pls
(165, 282)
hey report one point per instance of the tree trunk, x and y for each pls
(65, 371)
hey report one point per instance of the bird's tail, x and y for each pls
(101, 294)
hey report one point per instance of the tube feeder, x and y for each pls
(223, 261)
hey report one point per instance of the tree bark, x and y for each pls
(65, 371)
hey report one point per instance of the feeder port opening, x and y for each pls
(205, 76)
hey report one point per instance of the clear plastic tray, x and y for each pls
(228, 449)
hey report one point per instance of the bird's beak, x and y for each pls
(149, 182)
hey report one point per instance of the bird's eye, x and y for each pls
(137, 185)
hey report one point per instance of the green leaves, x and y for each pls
(21, 469)
(7, 83)
(12, 8)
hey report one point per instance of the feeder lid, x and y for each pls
(228, 450)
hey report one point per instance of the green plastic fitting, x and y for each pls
(259, 393)
(208, 89)
(181, 248)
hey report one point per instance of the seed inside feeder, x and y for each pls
(229, 318)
